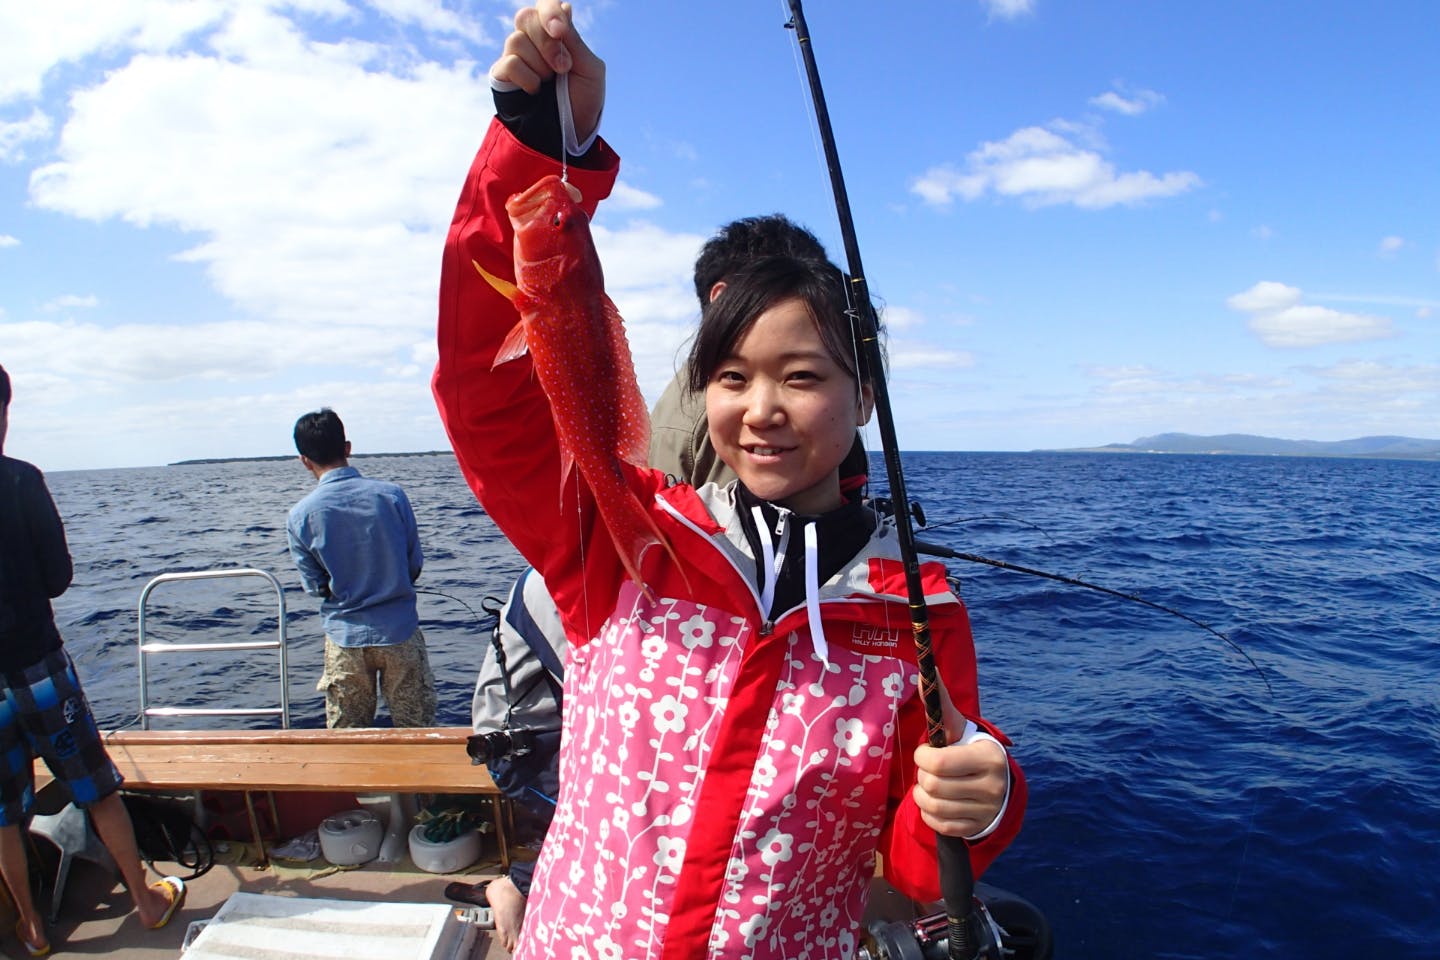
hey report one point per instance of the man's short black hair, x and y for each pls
(320, 437)
(741, 242)
(4, 388)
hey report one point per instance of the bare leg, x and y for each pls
(112, 823)
(16, 870)
(508, 908)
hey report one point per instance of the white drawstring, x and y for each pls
(812, 593)
(771, 560)
(769, 564)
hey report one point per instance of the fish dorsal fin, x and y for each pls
(513, 347)
(632, 436)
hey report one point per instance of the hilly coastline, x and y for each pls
(1244, 444)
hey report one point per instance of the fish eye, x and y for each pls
(557, 221)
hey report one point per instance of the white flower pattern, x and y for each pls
(644, 703)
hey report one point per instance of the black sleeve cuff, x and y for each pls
(535, 122)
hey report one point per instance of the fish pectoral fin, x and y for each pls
(505, 288)
(512, 347)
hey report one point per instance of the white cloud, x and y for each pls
(35, 38)
(1130, 104)
(1280, 319)
(301, 178)
(907, 355)
(8, 241)
(14, 135)
(901, 318)
(432, 16)
(1265, 296)
(71, 302)
(158, 353)
(1398, 386)
(304, 198)
(1008, 9)
(1043, 168)
(625, 197)
(1389, 246)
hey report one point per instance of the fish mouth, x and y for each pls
(547, 196)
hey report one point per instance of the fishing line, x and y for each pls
(813, 124)
(567, 123)
(940, 551)
(479, 620)
(988, 516)
(936, 550)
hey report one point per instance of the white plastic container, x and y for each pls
(451, 856)
(351, 838)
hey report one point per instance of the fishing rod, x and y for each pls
(957, 879)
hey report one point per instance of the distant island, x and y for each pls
(1244, 444)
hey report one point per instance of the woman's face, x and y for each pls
(783, 413)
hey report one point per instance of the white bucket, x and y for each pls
(450, 856)
(351, 838)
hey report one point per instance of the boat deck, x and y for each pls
(97, 918)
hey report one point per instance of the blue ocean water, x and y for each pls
(1179, 806)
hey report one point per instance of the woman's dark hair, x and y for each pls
(756, 288)
(320, 436)
(4, 388)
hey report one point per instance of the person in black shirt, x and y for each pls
(44, 710)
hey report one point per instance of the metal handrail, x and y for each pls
(160, 647)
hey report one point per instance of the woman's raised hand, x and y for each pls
(546, 43)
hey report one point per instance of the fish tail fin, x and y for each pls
(633, 531)
(664, 541)
(657, 536)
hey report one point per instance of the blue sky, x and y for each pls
(1086, 221)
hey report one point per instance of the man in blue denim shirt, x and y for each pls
(357, 547)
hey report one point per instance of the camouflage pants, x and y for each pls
(402, 671)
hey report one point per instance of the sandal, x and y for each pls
(174, 890)
(472, 893)
(30, 948)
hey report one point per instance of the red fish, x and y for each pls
(576, 340)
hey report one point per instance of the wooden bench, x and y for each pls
(382, 760)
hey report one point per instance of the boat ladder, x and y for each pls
(149, 648)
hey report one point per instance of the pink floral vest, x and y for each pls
(644, 702)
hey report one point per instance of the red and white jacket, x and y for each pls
(725, 786)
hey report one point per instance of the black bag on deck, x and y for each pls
(166, 833)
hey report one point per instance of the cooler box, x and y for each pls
(294, 928)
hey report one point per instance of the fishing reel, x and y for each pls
(885, 506)
(1005, 927)
(928, 939)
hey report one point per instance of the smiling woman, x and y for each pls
(781, 392)
(773, 629)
